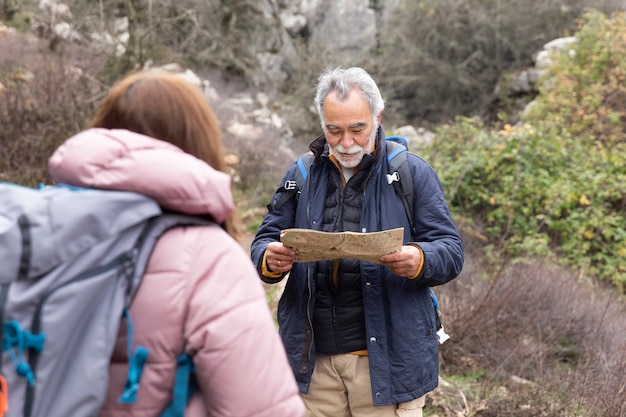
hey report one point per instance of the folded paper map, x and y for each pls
(312, 245)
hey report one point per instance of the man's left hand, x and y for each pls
(404, 262)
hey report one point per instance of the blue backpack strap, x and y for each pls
(400, 175)
(292, 187)
(136, 362)
(184, 387)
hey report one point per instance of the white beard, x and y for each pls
(356, 152)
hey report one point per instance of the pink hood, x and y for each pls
(123, 160)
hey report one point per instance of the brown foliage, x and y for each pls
(544, 335)
(46, 98)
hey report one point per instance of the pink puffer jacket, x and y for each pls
(200, 295)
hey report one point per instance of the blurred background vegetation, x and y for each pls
(536, 181)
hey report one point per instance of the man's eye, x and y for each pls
(357, 131)
(334, 132)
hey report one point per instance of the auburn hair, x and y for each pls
(165, 106)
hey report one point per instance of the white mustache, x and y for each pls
(352, 149)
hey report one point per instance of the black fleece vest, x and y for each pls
(339, 320)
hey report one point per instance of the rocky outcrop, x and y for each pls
(345, 28)
(517, 89)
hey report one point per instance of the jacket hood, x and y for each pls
(118, 159)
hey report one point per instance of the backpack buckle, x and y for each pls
(290, 185)
(393, 177)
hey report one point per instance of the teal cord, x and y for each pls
(136, 362)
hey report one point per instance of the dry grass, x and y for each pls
(544, 340)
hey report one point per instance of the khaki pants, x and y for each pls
(340, 387)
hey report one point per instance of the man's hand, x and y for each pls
(404, 262)
(279, 258)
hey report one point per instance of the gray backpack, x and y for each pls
(71, 261)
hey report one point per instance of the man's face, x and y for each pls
(349, 127)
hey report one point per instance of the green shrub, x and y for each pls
(557, 181)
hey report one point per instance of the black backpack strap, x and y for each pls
(292, 187)
(400, 175)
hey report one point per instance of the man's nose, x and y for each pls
(347, 140)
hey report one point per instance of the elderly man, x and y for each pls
(360, 336)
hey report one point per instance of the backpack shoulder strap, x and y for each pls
(144, 247)
(154, 229)
(292, 187)
(400, 175)
(185, 385)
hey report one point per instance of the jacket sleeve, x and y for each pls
(276, 219)
(240, 361)
(436, 233)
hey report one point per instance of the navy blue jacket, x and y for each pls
(399, 314)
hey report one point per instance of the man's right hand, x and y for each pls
(279, 258)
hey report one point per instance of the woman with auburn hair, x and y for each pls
(155, 134)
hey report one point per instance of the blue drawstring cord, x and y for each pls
(16, 341)
(136, 362)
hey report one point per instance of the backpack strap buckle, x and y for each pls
(393, 177)
(290, 185)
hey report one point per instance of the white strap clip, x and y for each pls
(393, 177)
